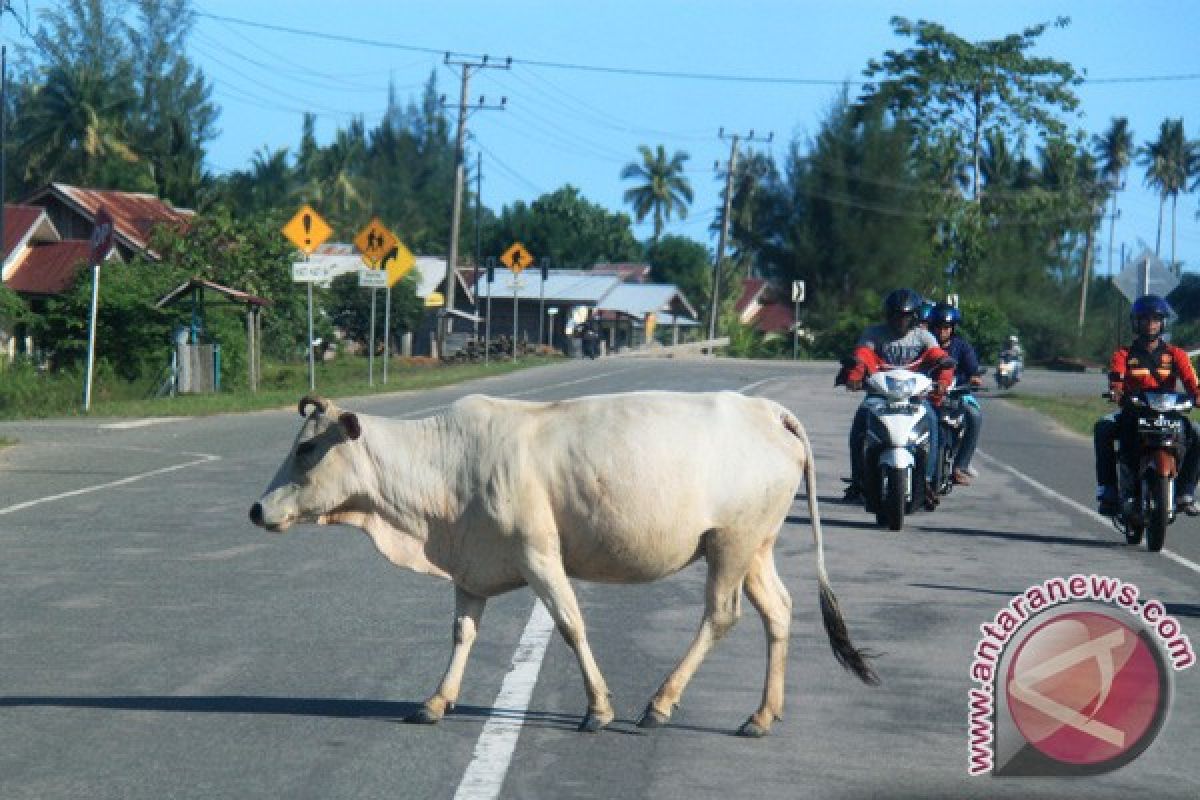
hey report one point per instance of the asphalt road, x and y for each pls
(153, 644)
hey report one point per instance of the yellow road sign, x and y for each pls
(307, 230)
(398, 262)
(374, 241)
(517, 258)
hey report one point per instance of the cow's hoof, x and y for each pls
(653, 718)
(594, 723)
(752, 730)
(422, 717)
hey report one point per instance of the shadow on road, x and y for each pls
(1016, 536)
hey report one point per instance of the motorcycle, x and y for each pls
(1148, 495)
(952, 415)
(896, 445)
(1008, 371)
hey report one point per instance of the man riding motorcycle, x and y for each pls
(1148, 364)
(898, 343)
(1012, 352)
(943, 323)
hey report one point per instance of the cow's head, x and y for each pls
(319, 475)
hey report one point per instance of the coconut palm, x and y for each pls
(1114, 148)
(664, 189)
(1167, 160)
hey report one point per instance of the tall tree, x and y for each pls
(1115, 150)
(1167, 161)
(955, 92)
(663, 189)
(176, 116)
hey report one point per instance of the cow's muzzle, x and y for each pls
(256, 514)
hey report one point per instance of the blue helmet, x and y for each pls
(926, 311)
(945, 314)
(1149, 306)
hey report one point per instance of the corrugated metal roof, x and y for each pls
(562, 285)
(135, 214)
(19, 222)
(233, 294)
(50, 267)
(751, 287)
(775, 318)
(640, 299)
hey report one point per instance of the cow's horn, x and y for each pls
(320, 403)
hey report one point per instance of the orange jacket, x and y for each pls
(868, 362)
(1136, 369)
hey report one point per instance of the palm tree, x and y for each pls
(1167, 160)
(664, 189)
(1114, 148)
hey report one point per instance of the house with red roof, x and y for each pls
(758, 307)
(46, 240)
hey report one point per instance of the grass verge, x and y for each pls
(1078, 414)
(282, 385)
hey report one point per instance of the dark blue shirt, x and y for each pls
(963, 353)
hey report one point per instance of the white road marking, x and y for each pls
(494, 750)
(203, 459)
(1080, 507)
(138, 423)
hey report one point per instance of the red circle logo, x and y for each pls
(1085, 688)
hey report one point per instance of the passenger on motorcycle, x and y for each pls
(943, 323)
(898, 343)
(1148, 364)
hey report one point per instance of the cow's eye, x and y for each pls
(305, 449)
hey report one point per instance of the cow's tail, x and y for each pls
(844, 650)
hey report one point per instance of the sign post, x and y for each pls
(487, 325)
(98, 247)
(797, 299)
(308, 231)
(396, 263)
(542, 298)
(373, 243)
(516, 258)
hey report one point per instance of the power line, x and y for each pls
(632, 71)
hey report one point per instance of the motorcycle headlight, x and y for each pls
(1165, 401)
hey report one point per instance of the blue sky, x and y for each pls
(580, 127)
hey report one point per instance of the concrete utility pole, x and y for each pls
(459, 158)
(732, 168)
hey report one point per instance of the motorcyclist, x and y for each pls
(897, 343)
(944, 320)
(1012, 352)
(1147, 364)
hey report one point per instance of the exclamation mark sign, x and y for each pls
(307, 220)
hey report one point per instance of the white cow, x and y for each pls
(495, 494)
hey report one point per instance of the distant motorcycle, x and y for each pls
(1008, 371)
(896, 445)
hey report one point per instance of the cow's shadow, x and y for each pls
(330, 707)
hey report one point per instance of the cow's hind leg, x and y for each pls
(774, 604)
(727, 566)
(545, 575)
(468, 610)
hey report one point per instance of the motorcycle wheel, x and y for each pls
(1159, 488)
(893, 498)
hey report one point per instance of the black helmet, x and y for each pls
(1149, 305)
(901, 301)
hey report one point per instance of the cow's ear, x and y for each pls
(349, 422)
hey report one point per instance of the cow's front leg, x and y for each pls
(545, 575)
(468, 610)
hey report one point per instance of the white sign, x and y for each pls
(1159, 280)
(304, 272)
(797, 291)
(372, 279)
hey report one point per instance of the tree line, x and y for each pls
(958, 169)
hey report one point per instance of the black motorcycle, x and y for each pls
(952, 416)
(1148, 495)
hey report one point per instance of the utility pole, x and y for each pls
(459, 158)
(732, 165)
